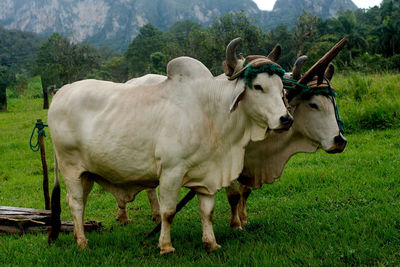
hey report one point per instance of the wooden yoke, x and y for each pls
(318, 69)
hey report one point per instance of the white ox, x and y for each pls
(315, 126)
(190, 130)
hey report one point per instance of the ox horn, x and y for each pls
(296, 72)
(275, 53)
(330, 71)
(231, 58)
(318, 69)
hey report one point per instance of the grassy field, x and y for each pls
(326, 209)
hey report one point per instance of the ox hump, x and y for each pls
(187, 68)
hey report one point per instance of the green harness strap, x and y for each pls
(40, 131)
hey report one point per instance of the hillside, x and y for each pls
(116, 23)
(286, 11)
(18, 49)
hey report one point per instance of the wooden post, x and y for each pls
(45, 172)
(45, 93)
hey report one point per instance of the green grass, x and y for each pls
(368, 101)
(341, 209)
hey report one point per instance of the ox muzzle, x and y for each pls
(286, 122)
(339, 144)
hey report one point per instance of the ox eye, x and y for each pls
(314, 106)
(258, 87)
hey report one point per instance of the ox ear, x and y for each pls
(238, 94)
(275, 53)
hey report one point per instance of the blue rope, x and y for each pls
(40, 130)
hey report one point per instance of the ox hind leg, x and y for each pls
(206, 206)
(122, 215)
(234, 199)
(155, 205)
(245, 192)
(79, 186)
(123, 194)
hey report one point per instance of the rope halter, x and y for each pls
(305, 91)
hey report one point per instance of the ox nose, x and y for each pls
(340, 141)
(286, 121)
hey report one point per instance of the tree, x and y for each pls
(346, 25)
(115, 70)
(148, 41)
(388, 30)
(389, 36)
(304, 30)
(230, 26)
(283, 36)
(158, 63)
(60, 62)
(7, 77)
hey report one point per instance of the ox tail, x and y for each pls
(55, 221)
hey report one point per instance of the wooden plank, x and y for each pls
(7, 208)
(23, 216)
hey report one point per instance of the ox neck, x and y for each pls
(265, 160)
(293, 142)
(234, 124)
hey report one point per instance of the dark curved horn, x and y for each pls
(231, 58)
(330, 71)
(318, 69)
(296, 72)
(275, 53)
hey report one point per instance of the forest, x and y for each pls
(373, 46)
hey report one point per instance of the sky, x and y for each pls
(269, 4)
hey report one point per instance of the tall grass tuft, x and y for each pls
(368, 101)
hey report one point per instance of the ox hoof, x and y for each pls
(211, 247)
(123, 221)
(167, 250)
(156, 218)
(82, 243)
(236, 225)
(243, 221)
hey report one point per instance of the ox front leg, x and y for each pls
(155, 205)
(78, 191)
(170, 185)
(206, 206)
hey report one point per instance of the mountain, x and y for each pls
(116, 22)
(287, 11)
